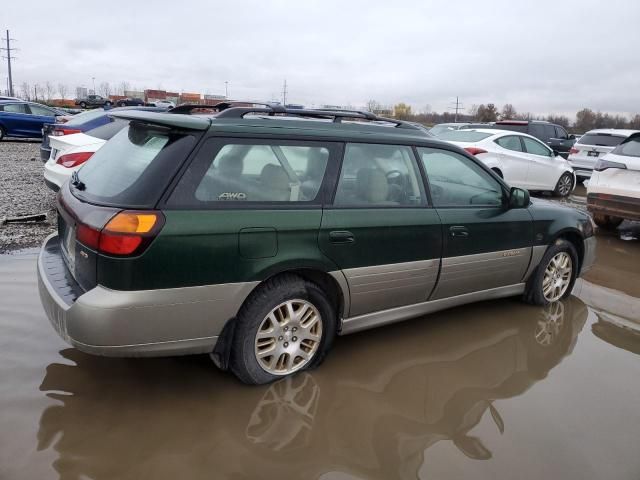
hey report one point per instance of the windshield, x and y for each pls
(469, 136)
(134, 167)
(601, 139)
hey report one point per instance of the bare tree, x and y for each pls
(508, 112)
(123, 87)
(25, 91)
(105, 89)
(62, 90)
(373, 106)
(37, 92)
(49, 90)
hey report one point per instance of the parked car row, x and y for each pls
(22, 119)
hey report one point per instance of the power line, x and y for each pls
(8, 49)
(457, 106)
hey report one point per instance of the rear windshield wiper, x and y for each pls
(75, 181)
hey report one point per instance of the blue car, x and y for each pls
(82, 122)
(25, 119)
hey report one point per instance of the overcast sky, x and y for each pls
(543, 56)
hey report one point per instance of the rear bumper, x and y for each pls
(134, 323)
(614, 205)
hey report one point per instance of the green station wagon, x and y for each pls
(258, 234)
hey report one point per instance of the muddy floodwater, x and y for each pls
(492, 390)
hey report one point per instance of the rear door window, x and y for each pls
(379, 175)
(537, 130)
(14, 108)
(549, 132)
(134, 167)
(511, 142)
(254, 171)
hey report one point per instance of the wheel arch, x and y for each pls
(574, 237)
(334, 284)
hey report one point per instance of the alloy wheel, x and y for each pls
(564, 185)
(288, 337)
(557, 276)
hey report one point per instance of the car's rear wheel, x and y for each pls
(287, 325)
(107, 104)
(555, 275)
(83, 104)
(564, 185)
(607, 222)
(2, 133)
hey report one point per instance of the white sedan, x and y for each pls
(522, 160)
(613, 193)
(70, 152)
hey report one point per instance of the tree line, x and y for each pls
(586, 119)
(47, 91)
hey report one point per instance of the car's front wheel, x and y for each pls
(285, 326)
(564, 185)
(607, 222)
(555, 275)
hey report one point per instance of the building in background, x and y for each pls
(134, 94)
(81, 92)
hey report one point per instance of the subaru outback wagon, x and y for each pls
(258, 234)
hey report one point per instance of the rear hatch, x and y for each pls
(128, 174)
(590, 147)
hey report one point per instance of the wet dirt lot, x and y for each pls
(492, 390)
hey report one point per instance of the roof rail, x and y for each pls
(220, 106)
(321, 113)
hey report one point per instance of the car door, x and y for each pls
(39, 116)
(560, 141)
(486, 245)
(541, 173)
(15, 119)
(380, 229)
(515, 162)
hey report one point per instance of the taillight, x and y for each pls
(127, 233)
(59, 132)
(71, 160)
(475, 150)
(573, 151)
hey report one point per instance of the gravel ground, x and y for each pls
(23, 192)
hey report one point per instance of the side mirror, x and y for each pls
(518, 198)
(572, 137)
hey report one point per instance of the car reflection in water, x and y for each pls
(371, 411)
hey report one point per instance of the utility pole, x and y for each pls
(226, 89)
(457, 106)
(8, 56)
(94, 84)
(284, 93)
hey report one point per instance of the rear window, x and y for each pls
(630, 148)
(601, 140)
(84, 117)
(464, 136)
(133, 168)
(106, 132)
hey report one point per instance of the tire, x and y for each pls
(2, 133)
(107, 104)
(83, 104)
(607, 222)
(538, 282)
(270, 301)
(498, 172)
(564, 185)
(122, 104)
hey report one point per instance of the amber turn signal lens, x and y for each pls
(130, 222)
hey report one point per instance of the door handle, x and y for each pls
(459, 231)
(341, 236)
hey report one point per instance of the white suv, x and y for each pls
(592, 145)
(613, 193)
